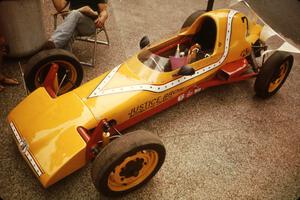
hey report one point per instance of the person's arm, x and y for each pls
(103, 15)
(60, 5)
(86, 10)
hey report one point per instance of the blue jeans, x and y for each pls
(75, 24)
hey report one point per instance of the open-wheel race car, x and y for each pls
(59, 131)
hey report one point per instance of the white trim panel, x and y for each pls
(24, 149)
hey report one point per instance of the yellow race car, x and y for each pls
(58, 132)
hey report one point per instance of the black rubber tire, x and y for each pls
(117, 151)
(191, 19)
(270, 71)
(38, 66)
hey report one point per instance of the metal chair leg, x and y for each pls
(106, 35)
(95, 49)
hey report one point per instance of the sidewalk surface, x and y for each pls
(223, 143)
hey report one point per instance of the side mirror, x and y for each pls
(186, 71)
(144, 42)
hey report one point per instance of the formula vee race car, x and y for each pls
(59, 128)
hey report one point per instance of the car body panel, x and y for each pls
(125, 94)
(48, 127)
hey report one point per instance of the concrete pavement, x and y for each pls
(283, 16)
(223, 143)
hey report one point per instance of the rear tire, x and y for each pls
(273, 74)
(127, 163)
(191, 19)
(38, 66)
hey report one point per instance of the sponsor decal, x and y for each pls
(153, 102)
(145, 106)
(245, 52)
(180, 98)
(197, 90)
(189, 93)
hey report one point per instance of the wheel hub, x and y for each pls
(132, 168)
(278, 78)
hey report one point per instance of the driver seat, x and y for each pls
(206, 35)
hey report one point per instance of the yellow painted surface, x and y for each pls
(49, 125)
(49, 128)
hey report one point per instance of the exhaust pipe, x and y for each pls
(210, 5)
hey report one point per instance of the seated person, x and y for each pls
(83, 19)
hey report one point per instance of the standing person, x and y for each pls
(82, 20)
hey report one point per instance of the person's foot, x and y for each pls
(10, 81)
(48, 45)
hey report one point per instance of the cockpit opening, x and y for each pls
(182, 50)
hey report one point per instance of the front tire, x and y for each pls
(273, 74)
(70, 72)
(127, 163)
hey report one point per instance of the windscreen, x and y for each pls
(273, 40)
